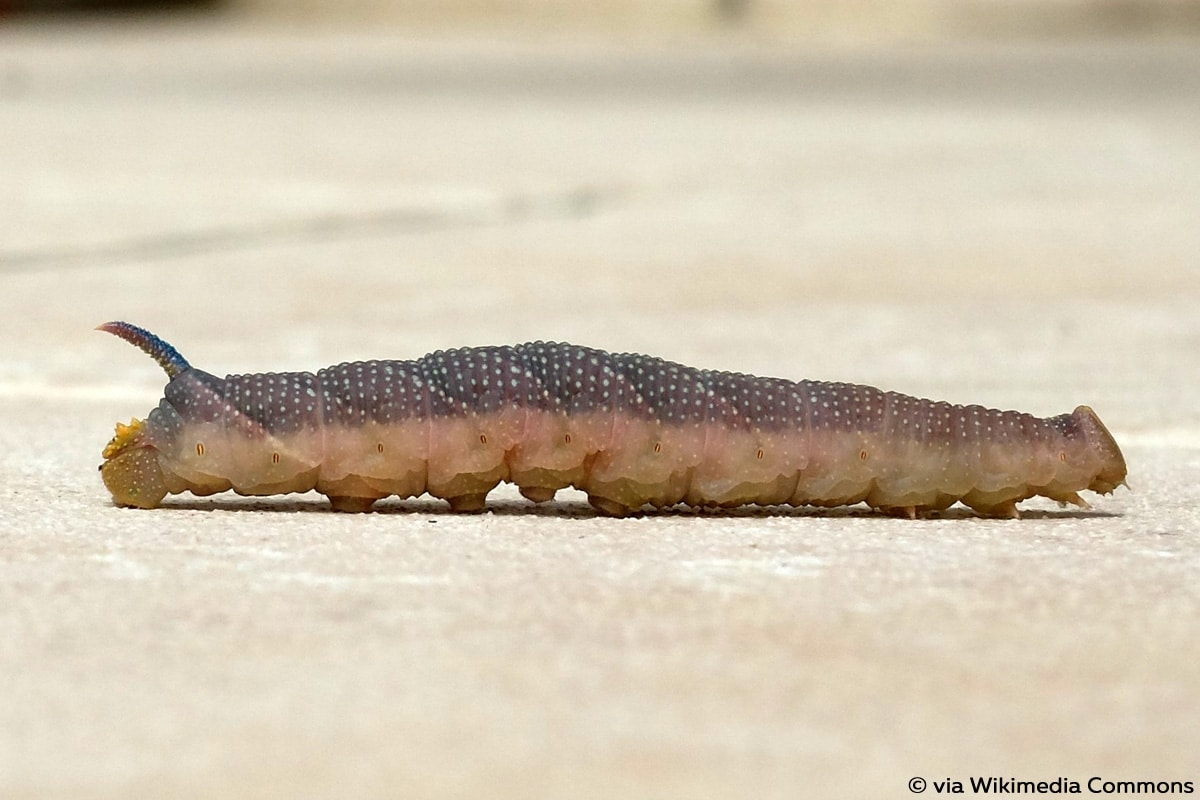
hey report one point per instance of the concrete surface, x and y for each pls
(1013, 226)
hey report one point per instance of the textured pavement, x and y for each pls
(1014, 226)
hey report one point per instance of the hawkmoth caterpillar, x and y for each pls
(629, 430)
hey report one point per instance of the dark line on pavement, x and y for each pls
(574, 204)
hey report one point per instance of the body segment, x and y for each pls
(629, 430)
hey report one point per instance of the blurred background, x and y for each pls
(854, 18)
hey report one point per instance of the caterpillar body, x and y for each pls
(629, 430)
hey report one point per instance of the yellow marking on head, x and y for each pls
(125, 436)
(199, 448)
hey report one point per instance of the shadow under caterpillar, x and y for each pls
(629, 430)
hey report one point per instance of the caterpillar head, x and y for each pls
(130, 470)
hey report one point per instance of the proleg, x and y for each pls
(633, 432)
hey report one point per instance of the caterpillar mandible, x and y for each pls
(629, 430)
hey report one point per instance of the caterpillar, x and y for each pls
(629, 430)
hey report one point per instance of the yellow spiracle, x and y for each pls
(125, 436)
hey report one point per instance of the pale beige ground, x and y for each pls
(787, 20)
(1009, 225)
